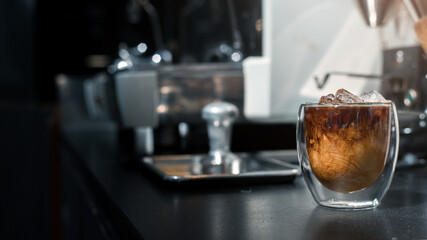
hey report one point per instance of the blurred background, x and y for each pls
(40, 39)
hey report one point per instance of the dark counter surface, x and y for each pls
(149, 209)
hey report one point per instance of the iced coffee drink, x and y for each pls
(347, 140)
(347, 148)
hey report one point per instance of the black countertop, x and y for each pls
(150, 209)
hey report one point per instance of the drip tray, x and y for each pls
(265, 166)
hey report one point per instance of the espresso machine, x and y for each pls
(229, 112)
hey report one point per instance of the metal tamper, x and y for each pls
(220, 117)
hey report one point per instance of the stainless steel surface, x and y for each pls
(410, 98)
(263, 166)
(375, 12)
(220, 110)
(144, 141)
(413, 132)
(168, 96)
(137, 98)
(220, 117)
(177, 92)
(411, 65)
(185, 89)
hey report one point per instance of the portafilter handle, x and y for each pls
(220, 117)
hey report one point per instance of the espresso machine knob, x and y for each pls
(220, 117)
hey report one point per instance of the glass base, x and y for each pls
(350, 205)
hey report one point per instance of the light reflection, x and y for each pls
(399, 56)
(61, 81)
(142, 47)
(235, 166)
(183, 129)
(162, 108)
(236, 57)
(224, 48)
(407, 102)
(156, 58)
(372, 13)
(258, 25)
(166, 90)
(407, 130)
(122, 65)
(123, 53)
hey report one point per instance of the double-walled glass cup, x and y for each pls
(348, 152)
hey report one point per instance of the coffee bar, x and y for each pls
(229, 119)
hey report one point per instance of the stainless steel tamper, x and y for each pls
(220, 117)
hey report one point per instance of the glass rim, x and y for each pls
(348, 104)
